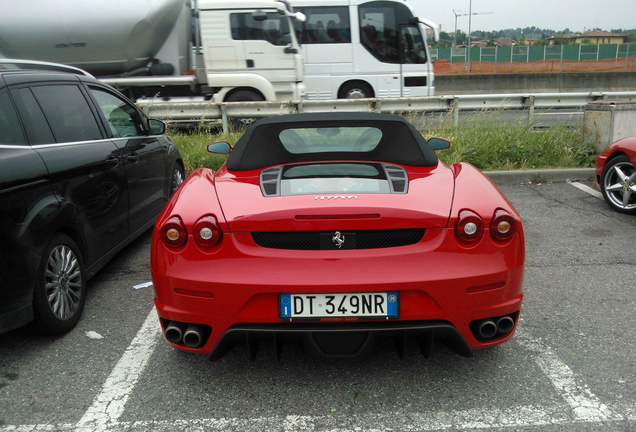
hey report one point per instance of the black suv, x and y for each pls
(83, 172)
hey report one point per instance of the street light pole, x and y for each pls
(470, 16)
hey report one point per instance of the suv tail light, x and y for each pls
(469, 226)
(173, 232)
(207, 232)
(503, 225)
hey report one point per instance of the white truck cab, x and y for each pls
(248, 51)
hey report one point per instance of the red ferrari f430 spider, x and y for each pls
(335, 230)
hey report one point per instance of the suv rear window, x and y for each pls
(10, 130)
(68, 113)
(37, 128)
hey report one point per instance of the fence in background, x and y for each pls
(536, 59)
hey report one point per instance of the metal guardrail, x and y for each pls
(199, 110)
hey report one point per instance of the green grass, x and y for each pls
(484, 141)
(493, 145)
(193, 148)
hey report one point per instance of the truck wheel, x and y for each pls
(60, 288)
(243, 96)
(355, 90)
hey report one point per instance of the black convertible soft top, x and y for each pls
(261, 146)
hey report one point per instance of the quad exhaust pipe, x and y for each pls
(487, 329)
(492, 327)
(191, 335)
(505, 324)
(174, 331)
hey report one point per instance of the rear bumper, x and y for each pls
(443, 287)
(338, 340)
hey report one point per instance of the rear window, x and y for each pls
(330, 139)
(10, 130)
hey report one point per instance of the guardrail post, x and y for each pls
(529, 103)
(226, 131)
(453, 106)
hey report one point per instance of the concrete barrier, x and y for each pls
(608, 121)
(535, 83)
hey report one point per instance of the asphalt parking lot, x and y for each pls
(570, 367)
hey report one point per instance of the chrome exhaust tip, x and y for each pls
(193, 336)
(487, 329)
(174, 331)
(505, 324)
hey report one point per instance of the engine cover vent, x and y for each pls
(398, 179)
(270, 179)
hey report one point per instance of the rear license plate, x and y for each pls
(339, 306)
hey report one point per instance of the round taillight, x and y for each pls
(207, 232)
(173, 232)
(503, 225)
(469, 226)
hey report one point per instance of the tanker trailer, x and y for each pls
(162, 47)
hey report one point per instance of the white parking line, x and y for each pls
(584, 403)
(110, 403)
(586, 188)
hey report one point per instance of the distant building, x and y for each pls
(479, 43)
(503, 42)
(594, 37)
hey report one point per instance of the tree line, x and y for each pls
(519, 36)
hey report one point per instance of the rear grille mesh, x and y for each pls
(324, 240)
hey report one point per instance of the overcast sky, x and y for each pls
(576, 15)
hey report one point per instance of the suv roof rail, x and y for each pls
(40, 65)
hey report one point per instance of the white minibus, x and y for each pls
(358, 48)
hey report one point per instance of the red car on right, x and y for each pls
(616, 176)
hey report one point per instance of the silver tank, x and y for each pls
(103, 37)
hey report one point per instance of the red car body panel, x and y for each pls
(439, 278)
(623, 146)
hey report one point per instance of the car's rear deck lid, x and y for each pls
(323, 202)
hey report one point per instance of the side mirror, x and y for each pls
(222, 148)
(157, 127)
(259, 15)
(287, 40)
(300, 17)
(439, 143)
